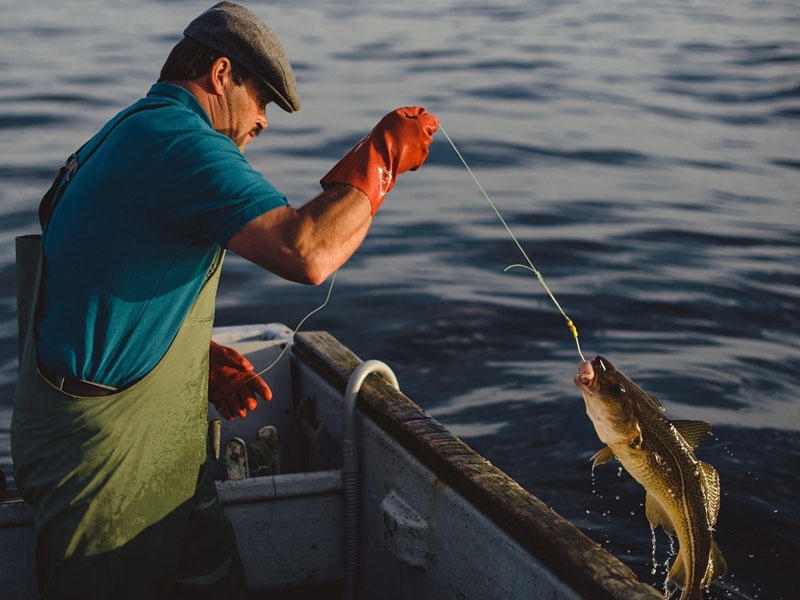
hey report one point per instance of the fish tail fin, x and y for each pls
(717, 567)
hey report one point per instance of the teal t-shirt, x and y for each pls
(135, 234)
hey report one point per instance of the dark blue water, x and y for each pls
(645, 154)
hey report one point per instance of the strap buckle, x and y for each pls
(71, 166)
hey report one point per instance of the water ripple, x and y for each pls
(33, 120)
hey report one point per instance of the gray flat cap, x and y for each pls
(236, 32)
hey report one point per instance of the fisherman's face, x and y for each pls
(245, 114)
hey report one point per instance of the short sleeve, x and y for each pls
(212, 191)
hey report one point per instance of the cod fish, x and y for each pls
(682, 493)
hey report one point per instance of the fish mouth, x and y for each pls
(586, 375)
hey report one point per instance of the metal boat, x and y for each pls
(342, 486)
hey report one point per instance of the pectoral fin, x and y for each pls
(602, 456)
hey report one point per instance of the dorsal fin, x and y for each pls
(709, 483)
(693, 432)
(654, 402)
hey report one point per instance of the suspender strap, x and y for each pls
(53, 196)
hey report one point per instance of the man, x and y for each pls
(108, 434)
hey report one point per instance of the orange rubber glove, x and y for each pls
(233, 385)
(398, 143)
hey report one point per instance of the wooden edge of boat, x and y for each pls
(573, 557)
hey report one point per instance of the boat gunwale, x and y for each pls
(572, 556)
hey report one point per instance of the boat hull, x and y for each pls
(434, 518)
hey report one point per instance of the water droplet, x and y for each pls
(653, 553)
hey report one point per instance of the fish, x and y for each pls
(682, 493)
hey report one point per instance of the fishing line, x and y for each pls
(233, 465)
(529, 266)
(299, 325)
(296, 329)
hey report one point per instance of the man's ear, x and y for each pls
(220, 70)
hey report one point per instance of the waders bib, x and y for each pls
(119, 482)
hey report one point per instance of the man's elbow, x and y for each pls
(314, 274)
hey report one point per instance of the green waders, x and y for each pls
(125, 506)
